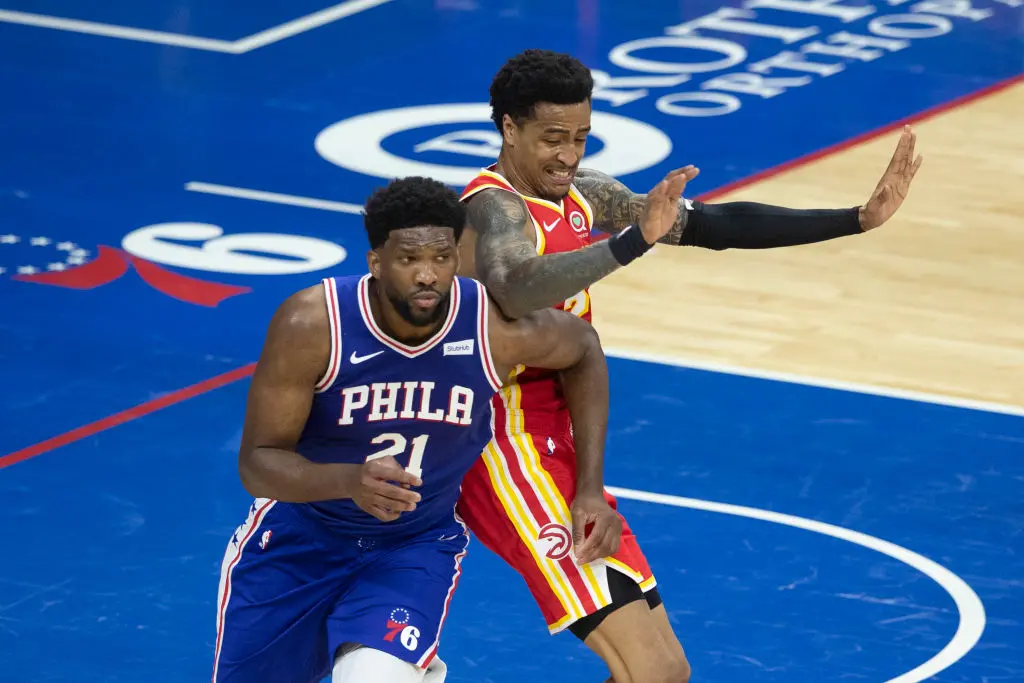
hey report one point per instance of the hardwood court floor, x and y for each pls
(932, 301)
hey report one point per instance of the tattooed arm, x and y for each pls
(520, 280)
(616, 206)
(508, 264)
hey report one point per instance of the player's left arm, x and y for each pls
(750, 225)
(556, 340)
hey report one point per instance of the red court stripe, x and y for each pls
(127, 415)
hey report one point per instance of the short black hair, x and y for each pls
(409, 203)
(538, 76)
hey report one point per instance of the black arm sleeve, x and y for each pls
(747, 225)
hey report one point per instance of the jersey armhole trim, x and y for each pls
(578, 197)
(334, 315)
(483, 307)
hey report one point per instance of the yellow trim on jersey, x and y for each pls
(544, 485)
(542, 241)
(645, 584)
(584, 204)
(526, 526)
(480, 188)
(625, 569)
(560, 207)
(560, 624)
(497, 176)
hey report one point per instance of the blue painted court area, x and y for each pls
(145, 510)
(122, 280)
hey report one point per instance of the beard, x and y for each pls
(415, 316)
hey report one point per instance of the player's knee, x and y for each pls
(670, 670)
(360, 664)
(436, 672)
(683, 671)
(678, 671)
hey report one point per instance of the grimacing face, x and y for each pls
(546, 150)
(416, 268)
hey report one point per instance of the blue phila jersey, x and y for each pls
(428, 406)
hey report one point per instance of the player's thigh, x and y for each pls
(400, 599)
(274, 597)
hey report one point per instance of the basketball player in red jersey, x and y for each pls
(528, 239)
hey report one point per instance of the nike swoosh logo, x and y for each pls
(356, 360)
(549, 228)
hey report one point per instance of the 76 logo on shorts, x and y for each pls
(398, 622)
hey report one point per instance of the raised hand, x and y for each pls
(662, 207)
(894, 186)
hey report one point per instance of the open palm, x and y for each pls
(894, 186)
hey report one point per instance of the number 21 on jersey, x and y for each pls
(398, 446)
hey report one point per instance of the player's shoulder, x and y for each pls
(585, 172)
(592, 175)
(303, 313)
(590, 179)
(496, 208)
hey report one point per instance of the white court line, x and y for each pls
(306, 23)
(968, 604)
(240, 46)
(113, 31)
(825, 383)
(273, 197)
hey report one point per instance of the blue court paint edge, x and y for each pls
(232, 376)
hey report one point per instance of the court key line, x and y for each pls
(186, 393)
(235, 47)
(969, 606)
(273, 197)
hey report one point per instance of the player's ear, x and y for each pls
(373, 262)
(509, 130)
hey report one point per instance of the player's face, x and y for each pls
(416, 267)
(547, 149)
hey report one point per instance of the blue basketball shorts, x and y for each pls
(293, 590)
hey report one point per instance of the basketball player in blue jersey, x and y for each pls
(370, 401)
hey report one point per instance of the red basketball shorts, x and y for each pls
(516, 501)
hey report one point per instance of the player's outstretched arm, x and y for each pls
(294, 357)
(750, 225)
(557, 340)
(521, 281)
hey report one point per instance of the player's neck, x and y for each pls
(397, 327)
(508, 171)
